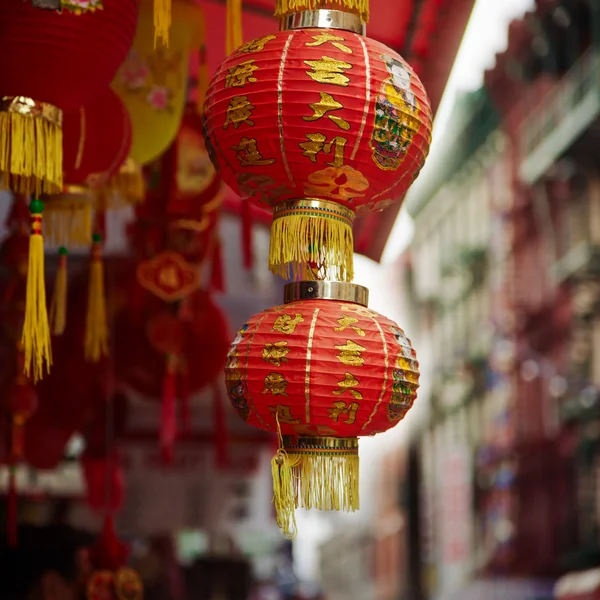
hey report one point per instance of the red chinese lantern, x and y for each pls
(322, 369)
(320, 124)
(96, 142)
(50, 63)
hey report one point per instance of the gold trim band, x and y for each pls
(326, 290)
(323, 445)
(28, 107)
(313, 207)
(323, 18)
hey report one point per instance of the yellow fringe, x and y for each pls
(31, 154)
(297, 240)
(68, 222)
(162, 22)
(127, 187)
(233, 23)
(325, 482)
(58, 304)
(287, 7)
(37, 349)
(96, 328)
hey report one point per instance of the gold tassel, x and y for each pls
(312, 236)
(125, 188)
(162, 22)
(31, 152)
(96, 328)
(69, 218)
(58, 305)
(36, 331)
(288, 7)
(284, 497)
(233, 23)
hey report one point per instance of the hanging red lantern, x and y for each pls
(50, 63)
(324, 370)
(320, 124)
(96, 143)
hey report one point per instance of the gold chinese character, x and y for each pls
(286, 324)
(275, 353)
(248, 154)
(326, 104)
(284, 414)
(350, 354)
(169, 278)
(329, 70)
(241, 74)
(239, 112)
(255, 45)
(325, 38)
(341, 408)
(349, 322)
(275, 384)
(359, 310)
(317, 142)
(348, 385)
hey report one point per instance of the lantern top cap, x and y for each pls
(324, 19)
(326, 290)
(360, 8)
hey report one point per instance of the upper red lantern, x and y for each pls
(321, 124)
(324, 370)
(52, 62)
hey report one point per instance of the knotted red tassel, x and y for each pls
(168, 421)
(217, 282)
(247, 235)
(221, 436)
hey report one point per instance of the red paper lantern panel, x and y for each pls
(61, 58)
(322, 367)
(96, 140)
(321, 125)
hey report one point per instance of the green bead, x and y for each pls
(96, 238)
(63, 251)
(36, 207)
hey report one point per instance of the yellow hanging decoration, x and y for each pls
(31, 141)
(233, 24)
(37, 349)
(329, 250)
(96, 328)
(58, 305)
(69, 218)
(288, 7)
(162, 22)
(127, 187)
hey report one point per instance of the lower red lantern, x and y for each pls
(320, 370)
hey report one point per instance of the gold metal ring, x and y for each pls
(314, 207)
(31, 108)
(323, 18)
(326, 290)
(324, 444)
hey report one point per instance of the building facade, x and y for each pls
(505, 290)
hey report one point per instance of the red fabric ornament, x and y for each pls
(183, 199)
(323, 372)
(63, 59)
(96, 140)
(321, 125)
(109, 553)
(100, 472)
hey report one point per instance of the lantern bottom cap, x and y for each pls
(312, 239)
(32, 131)
(314, 472)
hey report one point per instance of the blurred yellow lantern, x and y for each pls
(153, 82)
